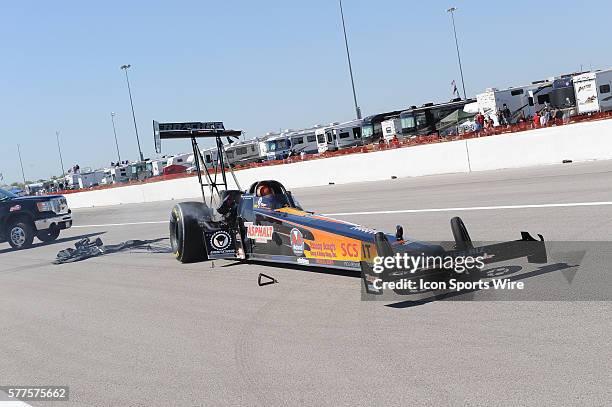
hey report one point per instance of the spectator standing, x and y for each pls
(506, 114)
(500, 117)
(536, 119)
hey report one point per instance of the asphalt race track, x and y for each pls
(138, 328)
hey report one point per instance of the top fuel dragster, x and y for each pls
(266, 223)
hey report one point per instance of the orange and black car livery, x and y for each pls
(275, 228)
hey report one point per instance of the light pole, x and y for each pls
(452, 13)
(59, 149)
(21, 163)
(125, 68)
(348, 56)
(115, 133)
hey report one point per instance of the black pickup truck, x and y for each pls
(23, 218)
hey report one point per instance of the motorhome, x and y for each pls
(288, 142)
(593, 91)
(527, 99)
(337, 136)
(179, 159)
(242, 152)
(157, 166)
(325, 137)
(90, 178)
(120, 173)
(371, 126)
(304, 140)
(424, 120)
(562, 95)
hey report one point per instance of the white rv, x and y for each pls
(528, 99)
(242, 152)
(304, 140)
(593, 91)
(337, 136)
(157, 166)
(325, 138)
(391, 128)
(120, 173)
(89, 179)
(179, 159)
(289, 142)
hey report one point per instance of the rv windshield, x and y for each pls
(421, 121)
(367, 131)
(408, 122)
(276, 145)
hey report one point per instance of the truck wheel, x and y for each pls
(48, 235)
(186, 237)
(463, 241)
(20, 234)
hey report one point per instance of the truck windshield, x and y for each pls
(6, 195)
(276, 145)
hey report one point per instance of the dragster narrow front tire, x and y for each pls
(186, 237)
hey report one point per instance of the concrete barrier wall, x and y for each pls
(578, 142)
(552, 145)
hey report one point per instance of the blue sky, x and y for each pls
(258, 65)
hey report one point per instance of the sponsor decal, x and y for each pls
(259, 233)
(15, 208)
(297, 241)
(220, 240)
(350, 250)
(220, 244)
(323, 250)
(352, 264)
(302, 260)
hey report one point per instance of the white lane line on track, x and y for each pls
(120, 224)
(473, 208)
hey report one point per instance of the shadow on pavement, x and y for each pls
(58, 241)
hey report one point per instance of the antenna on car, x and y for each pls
(217, 166)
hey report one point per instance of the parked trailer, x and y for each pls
(593, 91)
(528, 99)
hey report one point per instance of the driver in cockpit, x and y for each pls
(263, 190)
(267, 198)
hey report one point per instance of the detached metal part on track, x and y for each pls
(86, 249)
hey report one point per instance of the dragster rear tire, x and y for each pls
(463, 241)
(186, 236)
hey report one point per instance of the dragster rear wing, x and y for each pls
(189, 130)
